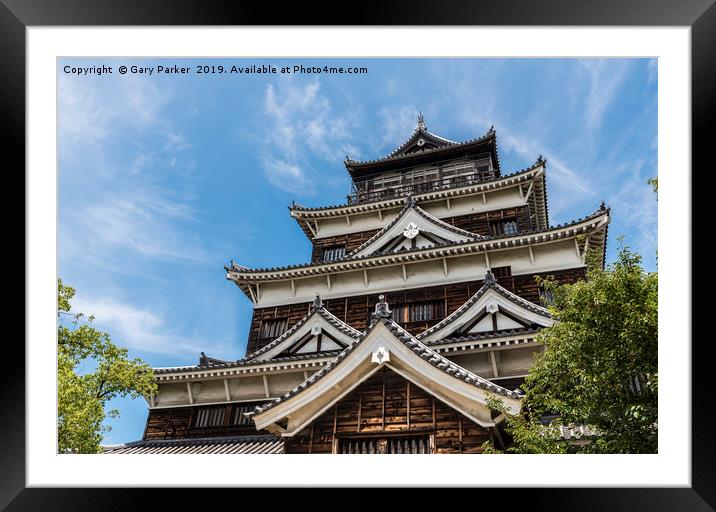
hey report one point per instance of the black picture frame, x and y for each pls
(700, 15)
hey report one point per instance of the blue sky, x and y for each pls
(163, 180)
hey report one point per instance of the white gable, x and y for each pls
(313, 334)
(381, 348)
(413, 229)
(478, 317)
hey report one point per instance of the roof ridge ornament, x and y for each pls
(382, 309)
(317, 303)
(489, 278)
(492, 129)
(410, 201)
(421, 122)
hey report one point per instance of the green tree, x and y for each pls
(599, 368)
(83, 394)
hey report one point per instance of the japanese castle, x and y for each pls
(418, 305)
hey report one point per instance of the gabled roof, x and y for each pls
(318, 322)
(384, 343)
(433, 230)
(425, 145)
(465, 320)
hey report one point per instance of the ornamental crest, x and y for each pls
(411, 231)
(381, 355)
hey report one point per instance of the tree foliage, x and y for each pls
(91, 370)
(599, 368)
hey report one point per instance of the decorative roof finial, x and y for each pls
(410, 201)
(489, 278)
(382, 310)
(540, 159)
(348, 159)
(421, 121)
(317, 303)
(603, 206)
(492, 129)
(203, 360)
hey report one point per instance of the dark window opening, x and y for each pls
(334, 253)
(504, 227)
(418, 311)
(501, 271)
(222, 416)
(386, 445)
(272, 328)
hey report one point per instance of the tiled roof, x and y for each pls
(244, 362)
(524, 331)
(296, 207)
(224, 445)
(487, 239)
(489, 284)
(411, 342)
(395, 155)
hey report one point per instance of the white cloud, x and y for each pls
(143, 330)
(303, 128)
(605, 77)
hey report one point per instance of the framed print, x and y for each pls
(468, 264)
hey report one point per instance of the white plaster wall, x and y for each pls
(552, 256)
(211, 391)
(495, 200)
(517, 361)
(477, 362)
(172, 394)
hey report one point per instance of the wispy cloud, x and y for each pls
(605, 77)
(144, 330)
(302, 127)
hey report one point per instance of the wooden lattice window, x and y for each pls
(334, 253)
(422, 311)
(504, 227)
(272, 328)
(501, 271)
(387, 445)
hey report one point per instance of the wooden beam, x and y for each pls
(258, 291)
(579, 251)
(152, 400)
(293, 287)
(310, 228)
(226, 390)
(405, 273)
(487, 261)
(365, 277)
(445, 266)
(328, 280)
(529, 190)
(380, 215)
(532, 255)
(586, 247)
(251, 292)
(348, 220)
(484, 198)
(305, 374)
(266, 387)
(494, 363)
(188, 390)
(408, 402)
(522, 194)
(447, 203)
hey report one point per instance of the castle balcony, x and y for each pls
(421, 181)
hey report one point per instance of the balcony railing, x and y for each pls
(362, 196)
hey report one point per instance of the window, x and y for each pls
(381, 445)
(504, 227)
(272, 328)
(501, 271)
(334, 253)
(212, 417)
(418, 311)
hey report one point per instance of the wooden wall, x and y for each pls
(388, 405)
(178, 423)
(356, 310)
(476, 223)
